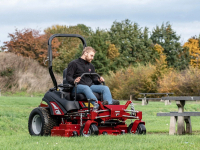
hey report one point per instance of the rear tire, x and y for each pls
(140, 129)
(41, 122)
(93, 130)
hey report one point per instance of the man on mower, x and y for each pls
(88, 84)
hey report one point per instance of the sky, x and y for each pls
(183, 15)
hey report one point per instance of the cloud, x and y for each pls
(46, 11)
(183, 14)
(187, 30)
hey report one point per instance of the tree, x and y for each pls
(194, 50)
(30, 43)
(133, 43)
(165, 36)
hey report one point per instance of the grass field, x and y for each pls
(14, 113)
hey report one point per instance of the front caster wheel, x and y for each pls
(105, 133)
(140, 129)
(75, 133)
(93, 130)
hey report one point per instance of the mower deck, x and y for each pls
(109, 120)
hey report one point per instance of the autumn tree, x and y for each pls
(30, 43)
(161, 64)
(112, 52)
(194, 50)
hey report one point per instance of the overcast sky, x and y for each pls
(40, 14)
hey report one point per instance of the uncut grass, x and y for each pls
(14, 113)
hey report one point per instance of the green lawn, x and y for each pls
(14, 113)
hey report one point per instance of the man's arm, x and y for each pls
(70, 72)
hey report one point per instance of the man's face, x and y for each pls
(89, 56)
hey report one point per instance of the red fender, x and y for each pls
(56, 109)
(135, 125)
(87, 126)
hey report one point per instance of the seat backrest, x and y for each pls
(64, 76)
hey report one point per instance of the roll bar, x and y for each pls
(50, 57)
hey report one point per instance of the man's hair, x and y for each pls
(88, 49)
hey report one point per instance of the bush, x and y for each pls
(20, 74)
(7, 72)
(183, 83)
(132, 80)
(153, 79)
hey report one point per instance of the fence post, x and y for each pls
(144, 100)
(167, 102)
(131, 97)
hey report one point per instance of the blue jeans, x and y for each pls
(88, 91)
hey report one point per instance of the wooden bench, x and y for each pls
(145, 100)
(181, 117)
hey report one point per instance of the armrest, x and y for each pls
(68, 86)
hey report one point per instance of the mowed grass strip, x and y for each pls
(120, 142)
(14, 113)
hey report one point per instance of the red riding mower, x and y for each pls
(67, 114)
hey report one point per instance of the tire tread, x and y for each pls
(48, 121)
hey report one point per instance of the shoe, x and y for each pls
(115, 102)
(105, 102)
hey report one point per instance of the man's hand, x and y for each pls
(101, 79)
(77, 80)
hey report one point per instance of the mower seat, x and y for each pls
(71, 96)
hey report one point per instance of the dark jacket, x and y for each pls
(79, 66)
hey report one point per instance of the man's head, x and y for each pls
(88, 54)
